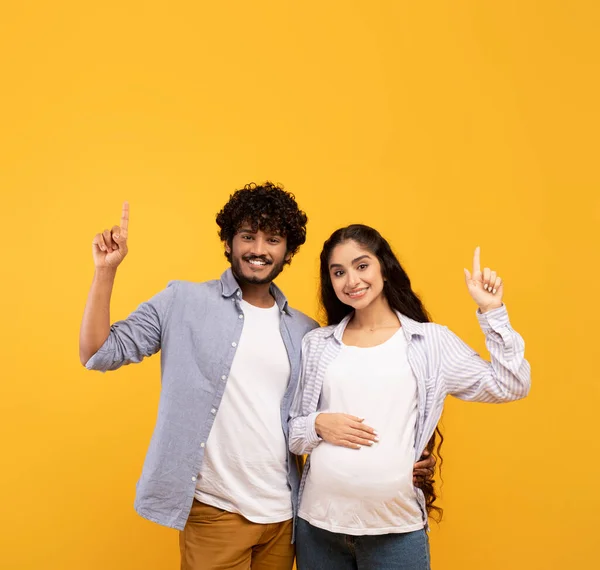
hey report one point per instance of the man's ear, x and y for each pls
(227, 247)
(287, 257)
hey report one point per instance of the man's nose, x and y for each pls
(259, 247)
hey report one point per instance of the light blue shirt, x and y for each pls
(197, 327)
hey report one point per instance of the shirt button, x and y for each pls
(202, 444)
(241, 316)
(223, 377)
(239, 293)
(193, 478)
(234, 344)
(213, 411)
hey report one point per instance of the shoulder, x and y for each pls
(315, 344)
(193, 293)
(428, 336)
(302, 321)
(438, 342)
(194, 288)
(318, 337)
(434, 329)
(433, 333)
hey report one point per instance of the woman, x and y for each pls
(371, 394)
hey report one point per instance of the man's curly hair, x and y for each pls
(267, 207)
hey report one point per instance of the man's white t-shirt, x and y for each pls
(245, 463)
(369, 490)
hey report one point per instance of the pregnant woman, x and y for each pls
(371, 394)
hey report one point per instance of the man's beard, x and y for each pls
(236, 267)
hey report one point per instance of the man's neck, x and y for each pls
(258, 295)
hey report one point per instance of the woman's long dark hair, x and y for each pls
(400, 297)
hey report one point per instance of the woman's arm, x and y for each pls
(308, 426)
(345, 430)
(469, 377)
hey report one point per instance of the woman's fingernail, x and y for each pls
(494, 291)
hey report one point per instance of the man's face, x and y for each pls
(257, 257)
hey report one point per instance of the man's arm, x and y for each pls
(424, 469)
(108, 249)
(95, 325)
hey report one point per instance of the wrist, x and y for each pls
(105, 273)
(487, 308)
(311, 433)
(318, 425)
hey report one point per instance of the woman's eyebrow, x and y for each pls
(353, 261)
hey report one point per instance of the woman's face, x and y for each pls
(355, 274)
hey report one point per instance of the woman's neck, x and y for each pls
(377, 315)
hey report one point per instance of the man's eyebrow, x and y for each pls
(366, 256)
(249, 230)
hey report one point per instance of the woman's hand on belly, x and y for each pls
(344, 430)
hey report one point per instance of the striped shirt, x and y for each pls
(442, 364)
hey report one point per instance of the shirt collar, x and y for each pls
(409, 326)
(231, 287)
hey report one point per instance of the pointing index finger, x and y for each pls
(476, 260)
(125, 218)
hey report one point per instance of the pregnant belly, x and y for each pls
(376, 472)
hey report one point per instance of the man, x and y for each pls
(218, 467)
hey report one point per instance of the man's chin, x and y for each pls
(253, 279)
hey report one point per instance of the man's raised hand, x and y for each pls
(109, 248)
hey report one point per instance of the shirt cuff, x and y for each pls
(311, 435)
(493, 320)
(99, 361)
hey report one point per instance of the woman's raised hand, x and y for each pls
(485, 286)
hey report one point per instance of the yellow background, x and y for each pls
(444, 124)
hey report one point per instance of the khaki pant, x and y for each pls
(214, 539)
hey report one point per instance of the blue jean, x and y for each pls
(318, 549)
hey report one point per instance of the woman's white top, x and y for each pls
(369, 490)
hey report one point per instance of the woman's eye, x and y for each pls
(363, 266)
(338, 273)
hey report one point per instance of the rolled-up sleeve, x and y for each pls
(469, 377)
(136, 337)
